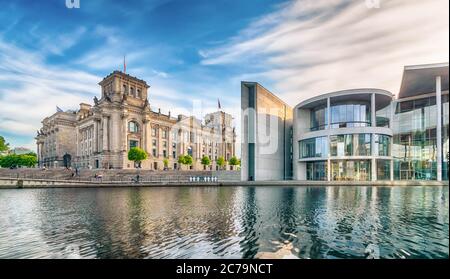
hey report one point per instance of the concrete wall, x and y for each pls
(271, 134)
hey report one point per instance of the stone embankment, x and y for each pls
(37, 178)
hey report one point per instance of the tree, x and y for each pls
(221, 162)
(137, 155)
(185, 160)
(234, 161)
(3, 145)
(188, 160)
(181, 160)
(206, 161)
(166, 163)
(13, 160)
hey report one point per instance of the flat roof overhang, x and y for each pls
(421, 79)
(382, 98)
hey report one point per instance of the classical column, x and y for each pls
(39, 153)
(373, 149)
(125, 132)
(105, 133)
(439, 127)
(95, 135)
(144, 135)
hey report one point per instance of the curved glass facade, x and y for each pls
(383, 169)
(351, 170)
(347, 145)
(316, 170)
(400, 142)
(313, 148)
(319, 118)
(350, 145)
(383, 116)
(350, 114)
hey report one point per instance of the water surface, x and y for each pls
(225, 222)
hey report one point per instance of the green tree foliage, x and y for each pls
(221, 162)
(234, 161)
(166, 162)
(13, 160)
(206, 161)
(4, 146)
(181, 159)
(136, 155)
(188, 160)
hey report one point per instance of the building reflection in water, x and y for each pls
(225, 222)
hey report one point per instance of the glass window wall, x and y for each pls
(350, 145)
(350, 115)
(383, 170)
(382, 145)
(319, 118)
(383, 117)
(315, 147)
(415, 145)
(351, 170)
(316, 170)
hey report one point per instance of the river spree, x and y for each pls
(225, 222)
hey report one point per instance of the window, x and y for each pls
(164, 134)
(350, 115)
(133, 127)
(383, 170)
(154, 152)
(319, 118)
(132, 93)
(315, 147)
(350, 145)
(133, 143)
(316, 170)
(174, 150)
(414, 141)
(138, 93)
(382, 145)
(153, 132)
(351, 170)
(189, 151)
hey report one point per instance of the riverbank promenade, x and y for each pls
(54, 178)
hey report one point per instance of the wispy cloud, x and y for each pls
(312, 47)
(31, 89)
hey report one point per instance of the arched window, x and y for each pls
(133, 127)
(138, 93)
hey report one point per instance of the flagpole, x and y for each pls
(124, 65)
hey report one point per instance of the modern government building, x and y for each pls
(362, 134)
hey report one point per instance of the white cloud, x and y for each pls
(315, 46)
(31, 89)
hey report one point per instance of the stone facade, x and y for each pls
(100, 135)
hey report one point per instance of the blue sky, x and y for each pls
(201, 49)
